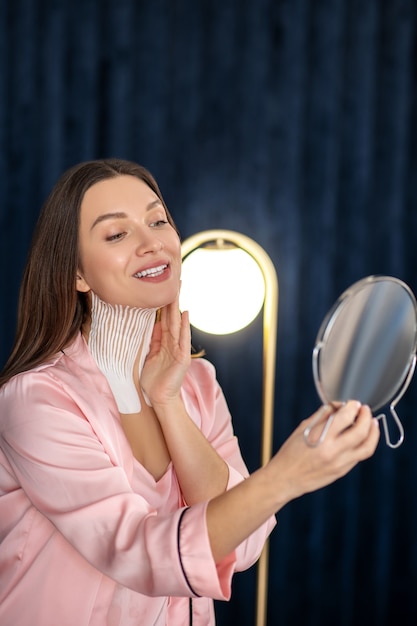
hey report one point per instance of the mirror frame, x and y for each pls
(409, 367)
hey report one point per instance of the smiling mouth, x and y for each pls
(152, 271)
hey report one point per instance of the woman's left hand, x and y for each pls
(169, 356)
(201, 472)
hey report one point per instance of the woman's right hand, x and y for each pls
(352, 437)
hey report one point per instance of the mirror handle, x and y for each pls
(307, 431)
(397, 420)
(394, 413)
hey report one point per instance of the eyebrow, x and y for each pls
(121, 214)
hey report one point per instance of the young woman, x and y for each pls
(124, 497)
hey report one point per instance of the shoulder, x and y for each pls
(26, 393)
(51, 369)
(25, 383)
(59, 382)
(201, 367)
(202, 374)
(200, 389)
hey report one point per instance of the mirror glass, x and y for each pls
(365, 348)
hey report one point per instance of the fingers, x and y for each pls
(349, 427)
(185, 335)
(349, 415)
(175, 330)
(356, 431)
(346, 416)
(364, 433)
(171, 318)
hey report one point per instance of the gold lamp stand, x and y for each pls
(216, 239)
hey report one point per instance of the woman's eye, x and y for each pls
(114, 237)
(159, 223)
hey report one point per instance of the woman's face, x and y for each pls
(129, 253)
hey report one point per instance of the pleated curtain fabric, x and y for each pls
(295, 123)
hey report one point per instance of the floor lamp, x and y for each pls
(209, 256)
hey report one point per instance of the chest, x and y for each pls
(147, 441)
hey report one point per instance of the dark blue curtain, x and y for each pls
(294, 122)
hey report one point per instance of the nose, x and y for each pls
(148, 243)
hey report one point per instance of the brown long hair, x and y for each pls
(51, 311)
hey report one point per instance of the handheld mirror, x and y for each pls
(366, 350)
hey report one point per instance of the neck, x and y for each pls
(119, 333)
(99, 308)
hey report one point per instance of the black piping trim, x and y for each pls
(179, 554)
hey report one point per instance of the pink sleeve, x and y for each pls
(200, 573)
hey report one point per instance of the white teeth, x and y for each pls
(152, 271)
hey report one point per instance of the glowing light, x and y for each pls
(221, 274)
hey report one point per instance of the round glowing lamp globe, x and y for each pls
(223, 288)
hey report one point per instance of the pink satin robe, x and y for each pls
(88, 537)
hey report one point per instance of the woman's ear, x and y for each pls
(82, 284)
